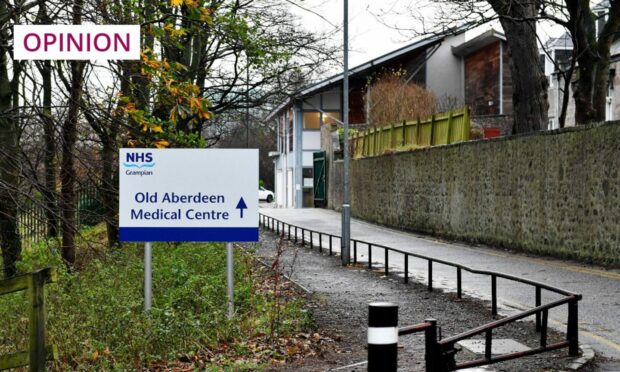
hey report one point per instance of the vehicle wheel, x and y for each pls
(269, 198)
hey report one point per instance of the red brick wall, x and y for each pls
(482, 80)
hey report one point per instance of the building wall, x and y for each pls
(615, 101)
(555, 193)
(507, 108)
(482, 80)
(444, 73)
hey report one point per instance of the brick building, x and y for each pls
(472, 71)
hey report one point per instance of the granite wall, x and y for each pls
(555, 193)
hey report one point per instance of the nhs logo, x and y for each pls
(138, 160)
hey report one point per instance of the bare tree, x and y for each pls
(69, 138)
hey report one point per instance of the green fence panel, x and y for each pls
(441, 129)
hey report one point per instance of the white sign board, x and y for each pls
(188, 195)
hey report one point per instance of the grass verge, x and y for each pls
(96, 318)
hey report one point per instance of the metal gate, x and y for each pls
(319, 185)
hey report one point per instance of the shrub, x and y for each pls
(390, 99)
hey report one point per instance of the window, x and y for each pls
(331, 117)
(308, 175)
(290, 131)
(312, 120)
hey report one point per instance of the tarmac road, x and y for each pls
(599, 311)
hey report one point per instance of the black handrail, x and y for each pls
(445, 347)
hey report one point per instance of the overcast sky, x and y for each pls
(372, 24)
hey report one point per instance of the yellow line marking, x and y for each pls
(484, 250)
(603, 340)
(560, 324)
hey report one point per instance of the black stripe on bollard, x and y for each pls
(382, 336)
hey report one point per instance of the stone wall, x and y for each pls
(554, 193)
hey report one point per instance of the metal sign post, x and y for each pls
(229, 279)
(345, 253)
(148, 276)
(172, 195)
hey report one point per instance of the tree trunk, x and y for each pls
(67, 167)
(49, 138)
(529, 83)
(10, 242)
(584, 108)
(109, 189)
(109, 155)
(593, 56)
(49, 161)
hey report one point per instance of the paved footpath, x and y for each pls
(599, 311)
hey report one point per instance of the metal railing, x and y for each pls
(443, 352)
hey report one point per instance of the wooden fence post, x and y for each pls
(392, 136)
(38, 353)
(404, 142)
(36, 325)
(449, 127)
(466, 124)
(417, 133)
(376, 137)
(432, 129)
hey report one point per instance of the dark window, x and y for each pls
(562, 58)
(290, 131)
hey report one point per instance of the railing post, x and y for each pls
(355, 251)
(311, 242)
(370, 256)
(538, 301)
(303, 237)
(572, 331)
(543, 331)
(459, 283)
(430, 275)
(296, 234)
(382, 336)
(493, 295)
(386, 261)
(406, 268)
(321, 242)
(488, 344)
(330, 244)
(289, 232)
(432, 349)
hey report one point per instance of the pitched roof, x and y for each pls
(360, 69)
(563, 42)
(480, 41)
